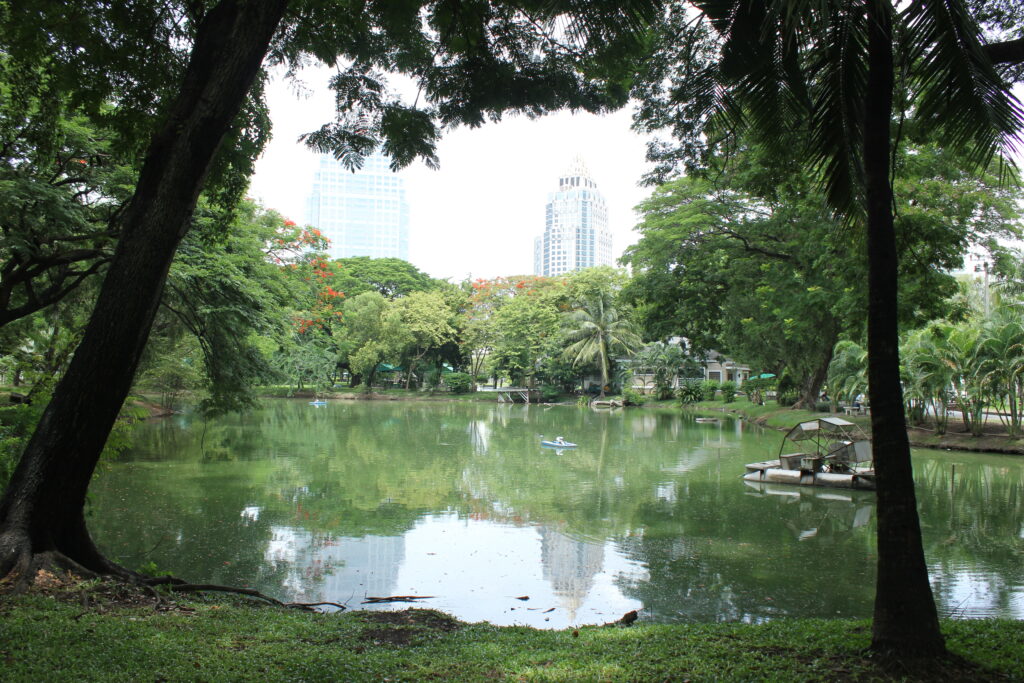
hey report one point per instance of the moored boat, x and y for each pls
(833, 452)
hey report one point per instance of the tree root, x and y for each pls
(250, 592)
(27, 568)
(22, 569)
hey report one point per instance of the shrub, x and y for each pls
(757, 387)
(690, 391)
(728, 392)
(823, 407)
(630, 397)
(549, 393)
(710, 388)
(787, 390)
(786, 399)
(432, 379)
(459, 382)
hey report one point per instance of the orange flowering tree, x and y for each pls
(311, 353)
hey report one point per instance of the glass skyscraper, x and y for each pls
(576, 232)
(363, 213)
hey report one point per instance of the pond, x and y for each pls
(459, 501)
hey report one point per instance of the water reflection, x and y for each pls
(973, 533)
(460, 502)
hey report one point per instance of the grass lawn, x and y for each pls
(102, 632)
(995, 440)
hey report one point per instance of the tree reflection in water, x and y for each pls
(361, 497)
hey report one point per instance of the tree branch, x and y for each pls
(1006, 52)
(748, 246)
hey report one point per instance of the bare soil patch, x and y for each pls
(423, 618)
(402, 628)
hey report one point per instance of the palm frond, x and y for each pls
(960, 91)
(836, 125)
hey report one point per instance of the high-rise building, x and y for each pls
(575, 226)
(363, 213)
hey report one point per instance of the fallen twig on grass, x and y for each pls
(316, 604)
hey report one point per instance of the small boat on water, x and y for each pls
(833, 452)
(605, 404)
(318, 402)
(557, 443)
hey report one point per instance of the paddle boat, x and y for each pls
(559, 442)
(318, 402)
(832, 452)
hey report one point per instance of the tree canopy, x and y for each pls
(748, 259)
(186, 81)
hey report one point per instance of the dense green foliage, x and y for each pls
(970, 361)
(749, 260)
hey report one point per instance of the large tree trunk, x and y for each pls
(905, 619)
(41, 512)
(811, 390)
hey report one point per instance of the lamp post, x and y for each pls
(983, 268)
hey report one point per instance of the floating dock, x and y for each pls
(771, 471)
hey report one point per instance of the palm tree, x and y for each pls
(829, 68)
(661, 362)
(1001, 365)
(927, 376)
(596, 332)
(848, 371)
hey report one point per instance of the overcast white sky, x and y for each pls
(476, 216)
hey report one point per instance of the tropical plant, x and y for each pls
(712, 387)
(926, 381)
(848, 371)
(1001, 364)
(631, 397)
(662, 363)
(757, 387)
(595, 332)
(690, 391)
(958, 346)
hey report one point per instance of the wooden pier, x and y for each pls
(513, 394)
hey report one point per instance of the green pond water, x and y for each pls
(460, 502)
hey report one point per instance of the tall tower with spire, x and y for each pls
(576, 232)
